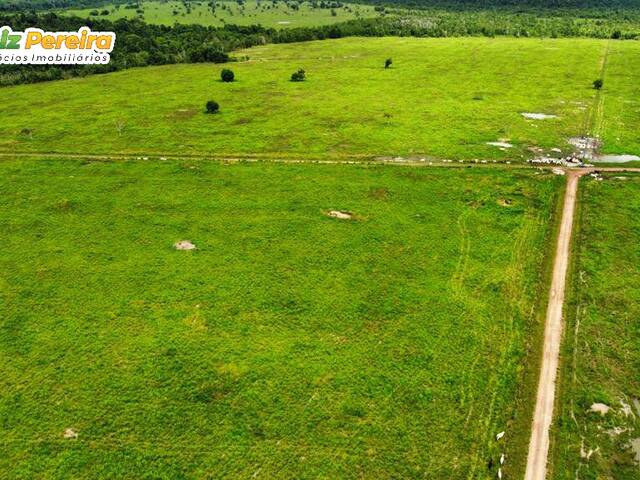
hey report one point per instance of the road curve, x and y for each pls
(539, 442)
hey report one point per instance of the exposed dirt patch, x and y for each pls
(70, 433)
(635, 446)
(340, 214)
(184, 245)
(582, 143)
(586, 146)
(600, 408)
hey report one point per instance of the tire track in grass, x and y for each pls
(491, 426)
(457, 278)
(595, 119)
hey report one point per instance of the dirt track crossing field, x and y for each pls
(543, 415)
(539, 444)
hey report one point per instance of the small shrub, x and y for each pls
(226, 75)
(387, 63)
(298, 76)
(597, 84)
(212, 106)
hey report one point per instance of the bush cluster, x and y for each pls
(298, 76)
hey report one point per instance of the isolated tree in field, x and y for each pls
(227, 75)
(597, 84)
(387, 63)
(212, 106)
(298, 76)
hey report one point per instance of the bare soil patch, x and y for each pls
(600, 408)
(339, 214)
(184, 245)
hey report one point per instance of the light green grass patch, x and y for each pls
(252, 12)
(620, 110)
(289, 343)
(444, 98)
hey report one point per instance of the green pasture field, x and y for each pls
(252, 12)
(442, 98)
(619, 113)
(601, 361)
(289, 344)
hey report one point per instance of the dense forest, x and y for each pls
(21, 5)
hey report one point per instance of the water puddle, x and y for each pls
(537, 116)
(500, 144)
(615, 158)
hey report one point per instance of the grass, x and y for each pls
(620, 104)
(602, 341)
(268, 14)
(442, 98)
(289, 344)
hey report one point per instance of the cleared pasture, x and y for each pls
(269, 14)
(441, 99)
(289, 344)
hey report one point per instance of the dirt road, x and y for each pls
(539, 443)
